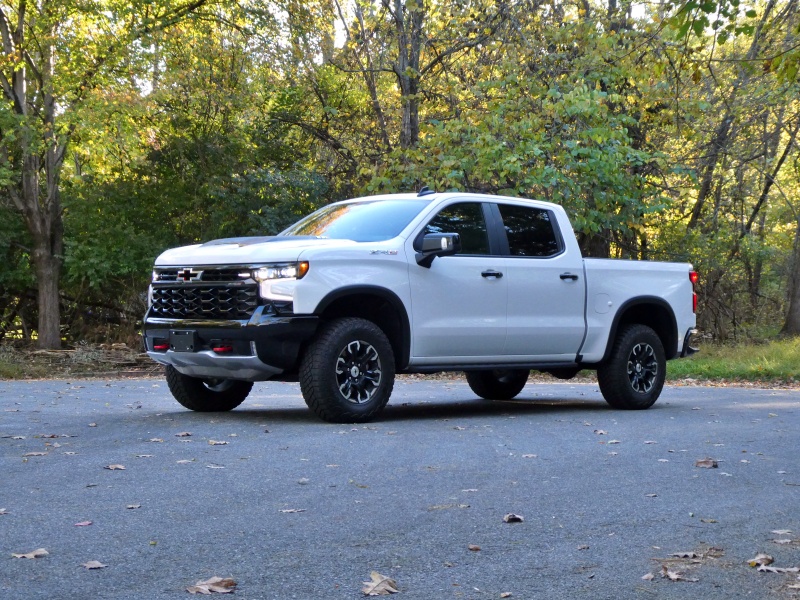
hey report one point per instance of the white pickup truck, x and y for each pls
(364, 289)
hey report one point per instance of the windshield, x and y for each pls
(368, 221)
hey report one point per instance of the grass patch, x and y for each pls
(776, 361)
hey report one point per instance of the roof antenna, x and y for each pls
(424, 191)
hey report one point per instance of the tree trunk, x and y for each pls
(792, 324)
(408, 26)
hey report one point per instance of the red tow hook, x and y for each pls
(161, 347)
(222, 349)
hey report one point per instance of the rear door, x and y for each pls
(546, 287)
(458, 305)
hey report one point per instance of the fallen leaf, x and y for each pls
(675, 575)
(506, 595)
(303, 481)
(83, 524)
(214, 467)
(529, 456)
(684, 555)
(447, 506)
(781, 531)
(614, 442)
(783, 541)
(38, 553)
(379, 585)
(512, 518)
(766, 569)
(600, 432)
(474, 548)
(650, 442)
(292, 510)
(794, 586)
(183, 434)
(133, 506)
(157, 440)
(94, 564)
(115, 467)
(761, 560)
(706, 463)
(3, 511)
(648, 577)
(184, 461)
(92, 424)
(217, 443)
(708, 521)
(144, 456)
(35, 454)
(583, 547)
(459, 428)
(651, 495)
(215, 584)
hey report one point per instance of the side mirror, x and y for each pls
(437, 244)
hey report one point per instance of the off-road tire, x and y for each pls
(206, 395)
(347, 372)
(634, 374)
(498, 384)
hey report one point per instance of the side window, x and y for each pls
(465, 219)
(530, 231)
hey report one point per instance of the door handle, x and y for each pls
(492, 273)
(569, 276)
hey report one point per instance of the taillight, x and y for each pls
(693, 277)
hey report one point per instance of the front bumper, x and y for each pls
(266, 345)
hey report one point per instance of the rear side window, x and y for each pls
(465, 219)
(529, 230)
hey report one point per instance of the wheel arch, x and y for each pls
(651, 311)
(379, 305)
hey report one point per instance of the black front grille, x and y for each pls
(204, 302)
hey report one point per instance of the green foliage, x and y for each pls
(772, 361)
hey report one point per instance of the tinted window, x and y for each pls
(368, 221)
(465, 219)
(530, 231)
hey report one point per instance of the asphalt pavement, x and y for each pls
(614, 504)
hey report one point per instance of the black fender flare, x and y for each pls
(391, 298)
(670, 350)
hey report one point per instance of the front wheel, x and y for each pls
(498, 384)
(206, 395)
(347, 373)
(634, 374)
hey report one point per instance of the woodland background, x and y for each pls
(668, 130)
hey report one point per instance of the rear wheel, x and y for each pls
(347, 373)
(633, 376)
(498, 384)
(206, 395)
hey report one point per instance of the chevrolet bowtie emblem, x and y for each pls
(189, 275)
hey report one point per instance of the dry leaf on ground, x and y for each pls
(706, 463)
(474, 548)
(506, 595)
(217, 443)
(3, 511)
(292, 510)
(35, 454)
(379, 585)
(215, 584)
(512, 518)
(761, 560)
(765, 569)
(183, 434)
(133, 506)
(94, 564)
(781, 531)
(38, 553)
(685, 555)
(676, 575)
(115, 467)
(83, 524)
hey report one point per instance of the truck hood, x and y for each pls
(246, 250)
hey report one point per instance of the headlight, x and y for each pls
(286, 271)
